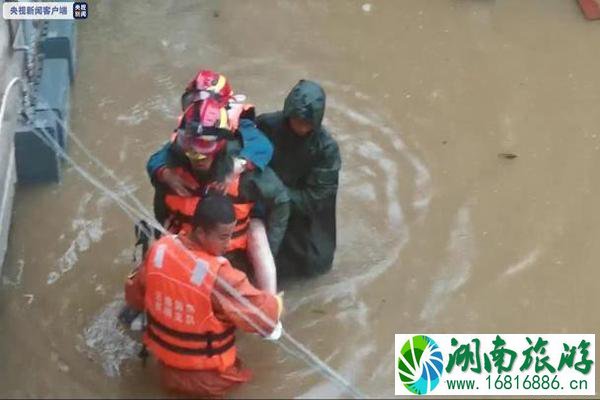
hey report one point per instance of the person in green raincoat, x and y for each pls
(307, 160)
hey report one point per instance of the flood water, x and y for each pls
(437, 233)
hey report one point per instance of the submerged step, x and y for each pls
(37, 162)
(54, 93)
(60, 42)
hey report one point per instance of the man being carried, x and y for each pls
(197, 155)
(246, 143)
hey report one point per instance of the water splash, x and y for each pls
(18, 278)
(87, 232)
(457, 269)
(528, 261)
(136, 116)
(107, 341)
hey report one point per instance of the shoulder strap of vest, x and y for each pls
(233, 189)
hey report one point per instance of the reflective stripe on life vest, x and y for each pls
(239, 238)
(182, 210)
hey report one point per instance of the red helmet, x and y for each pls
(208, 113)
(203, 128)
(196, 148)
(207, 84)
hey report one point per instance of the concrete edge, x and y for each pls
(6, 205)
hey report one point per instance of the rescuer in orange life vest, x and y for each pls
(218, 147)
(191, 315)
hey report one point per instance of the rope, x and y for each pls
(300, 351)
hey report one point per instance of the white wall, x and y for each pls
(10, 66)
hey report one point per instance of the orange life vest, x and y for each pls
(182, 330)
(181, 210)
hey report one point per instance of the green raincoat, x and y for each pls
(309, 168)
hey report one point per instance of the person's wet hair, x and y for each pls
(212, 210)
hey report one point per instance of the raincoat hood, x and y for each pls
(306, 101)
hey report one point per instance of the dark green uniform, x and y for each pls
(309, 168)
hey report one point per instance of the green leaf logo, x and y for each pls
(420, 364)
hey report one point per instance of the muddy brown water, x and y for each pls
(437, 233)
